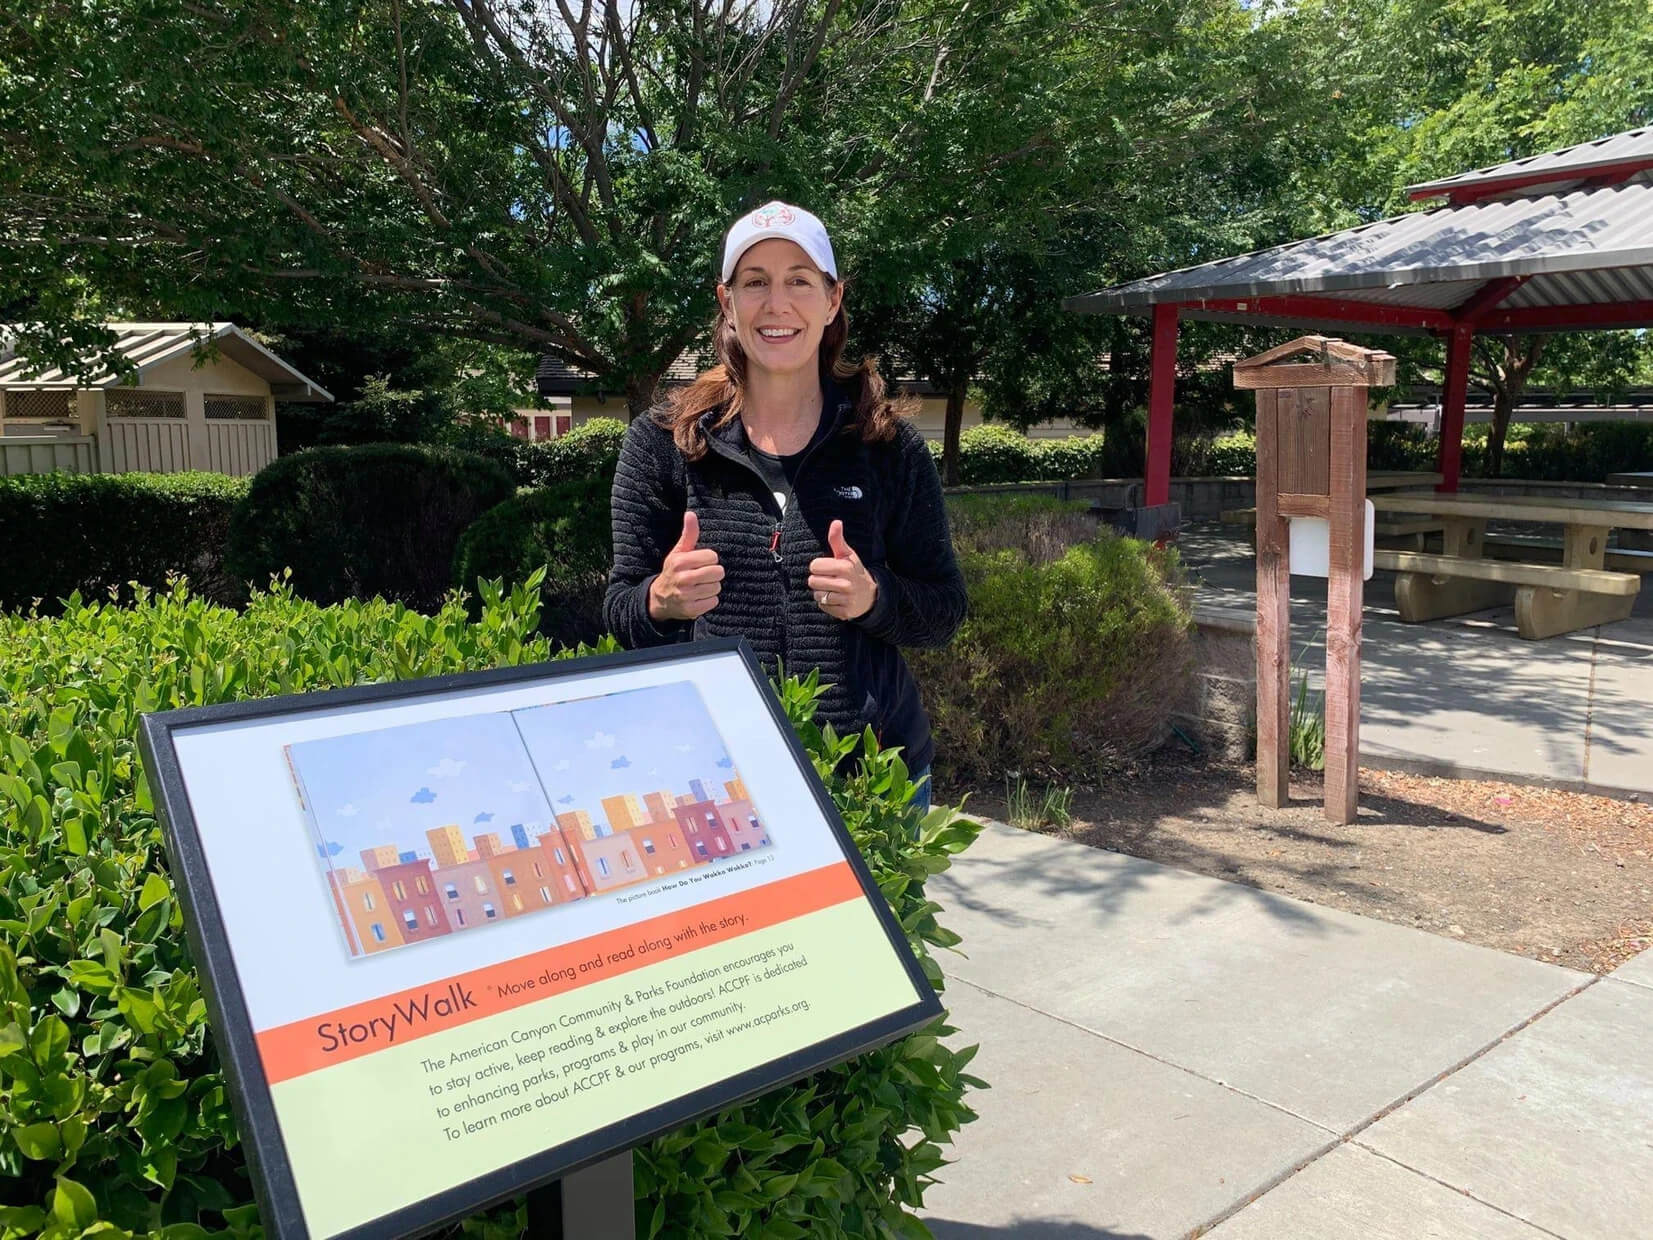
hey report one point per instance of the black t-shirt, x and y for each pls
(780, 472)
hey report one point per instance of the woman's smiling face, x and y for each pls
(780, 303)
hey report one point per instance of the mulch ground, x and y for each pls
(1559, 876)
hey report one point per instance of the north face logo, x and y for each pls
(849, 492)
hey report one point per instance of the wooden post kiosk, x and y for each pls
(1311, 463)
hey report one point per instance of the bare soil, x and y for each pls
(1559, 876)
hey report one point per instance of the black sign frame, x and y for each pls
(273, 1183)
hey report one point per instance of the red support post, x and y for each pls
(1454, 391)
(1162, 384)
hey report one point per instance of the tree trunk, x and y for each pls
(1520, 356)
(950, 434)
(640, 394)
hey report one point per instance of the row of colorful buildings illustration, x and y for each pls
(399, 897)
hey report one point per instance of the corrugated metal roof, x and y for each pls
(1591, 245)
(147, 344)
(1570, 161)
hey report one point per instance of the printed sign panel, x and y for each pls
(463, 936)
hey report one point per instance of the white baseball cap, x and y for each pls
(779, 219)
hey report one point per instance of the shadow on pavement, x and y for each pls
(1028, 1229)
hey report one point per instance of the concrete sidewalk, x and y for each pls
(1172, 1055)
(1467, 695)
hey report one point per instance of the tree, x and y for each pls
(552, 177)
(1425, 89)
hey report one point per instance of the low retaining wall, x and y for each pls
(1206, 499)
(1220, 712)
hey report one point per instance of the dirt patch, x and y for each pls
(1558, 876)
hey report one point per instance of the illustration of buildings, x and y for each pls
(577, 824)
(410, 892)
(360, 904)
(447, 846)
(567, 882)
(469, 893)
(740, 820)
(402, 895)
(703, 831)
(624, 813)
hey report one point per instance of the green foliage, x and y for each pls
(1083, 655)
(563, 532)
(1306, 727)
(98, 532)
(994, 453)
(1031, 810)
(382, 519)
(115, 1118)
(590, 450)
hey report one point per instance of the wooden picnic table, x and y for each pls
(1549, 599)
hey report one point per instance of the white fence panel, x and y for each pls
(147, 445)
(43, 454)
(239, 447)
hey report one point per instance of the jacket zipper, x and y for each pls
(775, 554)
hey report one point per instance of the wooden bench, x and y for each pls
(1549, 600)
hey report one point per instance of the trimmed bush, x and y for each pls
(116, 1119)
(1070, 659)
(1077, 456)
(995, 453)
(1040, 527)
(564, 532)
(98, 532)
(590, 450)
(378, 520)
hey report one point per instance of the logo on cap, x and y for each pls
(772, 216)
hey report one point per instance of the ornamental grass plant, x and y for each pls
(114, 1114)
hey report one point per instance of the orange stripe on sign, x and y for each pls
(336, 1037)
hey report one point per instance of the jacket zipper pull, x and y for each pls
(775, 544)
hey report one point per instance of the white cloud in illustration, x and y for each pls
(562, 764)
(446, 769)
(348, 810)
(683, 748)
(602, 740)
(520, 785)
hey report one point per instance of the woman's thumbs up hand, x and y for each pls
(690, 579)
(840, 582)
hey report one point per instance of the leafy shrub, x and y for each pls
(382, 519)
(1081, 656)
(590, 450)
(115, 1116)
(1041, 527)
(563, 531)
(96, 532)
(1077, 456)
(995, 453)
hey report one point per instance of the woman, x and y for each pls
(781, 497)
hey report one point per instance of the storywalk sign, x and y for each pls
(462, 936)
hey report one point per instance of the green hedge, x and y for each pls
(378, 520)
(997, 453)
(97, 532)
(115, 1119)
(1083, 647)
(563, 531)
(590, 450)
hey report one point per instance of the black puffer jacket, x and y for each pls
(888, 496)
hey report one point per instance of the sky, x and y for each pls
(392, 785)
(640, 741)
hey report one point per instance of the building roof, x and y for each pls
(1552, 170)
(555, 377)
(1573, 248)
(149, 344)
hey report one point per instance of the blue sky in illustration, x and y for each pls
(641, 741)
(392, 785)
